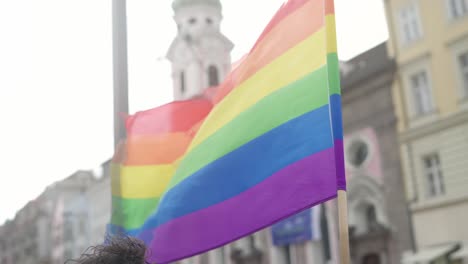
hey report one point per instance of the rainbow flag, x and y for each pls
(271, 147)
(144, 164)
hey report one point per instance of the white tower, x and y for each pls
(200, 53)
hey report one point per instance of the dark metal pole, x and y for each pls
(119, 43)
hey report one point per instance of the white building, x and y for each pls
(69, 218)
(29, 238)
(80, 217)
(98, 198)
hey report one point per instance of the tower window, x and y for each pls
(371, 218)
(213, 76)
(182, 82)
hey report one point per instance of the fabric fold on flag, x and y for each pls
(144, 164)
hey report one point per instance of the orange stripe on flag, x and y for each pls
(284, 11)
(156, 149)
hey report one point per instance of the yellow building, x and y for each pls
(429, 42)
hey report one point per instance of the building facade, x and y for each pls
(20, 239)
(429, 42)
(378, 215)
(81, 216)
(69, 217)
(98, 198)
(44, 230)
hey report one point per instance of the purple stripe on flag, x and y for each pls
(299, 186)
(340, 166)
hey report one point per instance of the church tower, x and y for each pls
(200, 53)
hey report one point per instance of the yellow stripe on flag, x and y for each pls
(142, 181)
(331, 33)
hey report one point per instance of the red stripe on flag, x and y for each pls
(173, 117)
(329, 7)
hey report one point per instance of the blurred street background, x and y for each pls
(404, 79)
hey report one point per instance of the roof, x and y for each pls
(366, 65)
(177, 4)
(428, 254)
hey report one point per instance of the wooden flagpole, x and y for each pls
(343, 227)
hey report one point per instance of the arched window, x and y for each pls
(371, 217)
(182, 82)
(213, 76)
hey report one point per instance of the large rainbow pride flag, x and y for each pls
(270, 147)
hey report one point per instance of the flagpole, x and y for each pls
(337, 124)
(120, 68)
(343, 227)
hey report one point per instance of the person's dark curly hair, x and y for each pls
(117, 250)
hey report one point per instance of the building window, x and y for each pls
(182, 82)
(324, 232)
(213, 76)
(192, 21)
(285, 252)
(190, 260)
(421, 92)
(222, 255)
(357, 153)
(371, 218)
(433, 175)
(409, 22)
(68, 254)
(463, 66)
(82, 225)
(457, 8)
(68, 233)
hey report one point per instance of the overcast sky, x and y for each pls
(56, 77)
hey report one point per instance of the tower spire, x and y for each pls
(200, 53)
